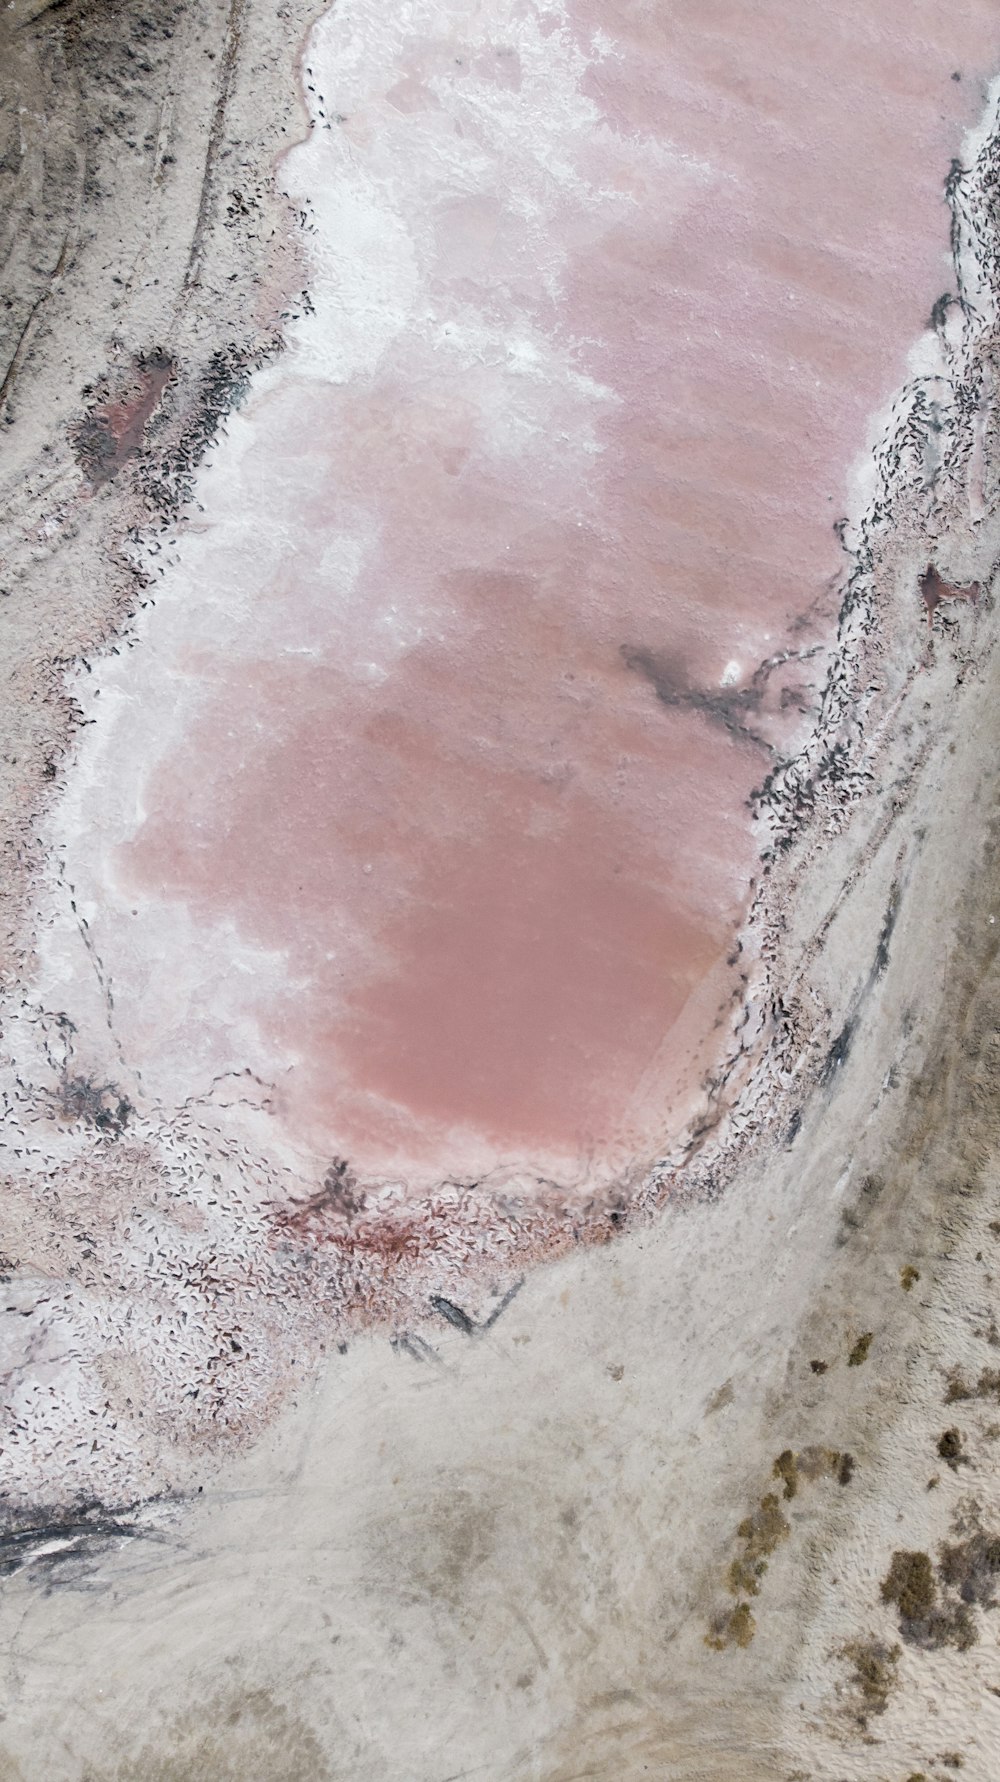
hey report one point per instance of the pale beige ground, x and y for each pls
(509, 1558)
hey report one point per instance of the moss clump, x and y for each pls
(959, 1391)
(760, 1534)
(972, 1567)
(907, 1277)
(950, 1448)
(786, 1469)
(909, 1583)
(814, 1463)
(745, 1576)
(764, 1529)
(735, 1628)
(874, 1674)
(859, 1353)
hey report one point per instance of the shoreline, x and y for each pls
(693, 1315)
(375, 1256)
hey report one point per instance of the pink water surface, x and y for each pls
(505, 853)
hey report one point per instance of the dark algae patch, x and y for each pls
(859, 1353)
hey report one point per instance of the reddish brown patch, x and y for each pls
(934, 590)
(114, 431)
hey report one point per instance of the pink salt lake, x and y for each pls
(436, 810)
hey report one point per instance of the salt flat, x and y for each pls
(499, 968)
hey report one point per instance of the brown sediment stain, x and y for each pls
(434, 1550)
(244, 1735)
(615, 1735)
(114, 430)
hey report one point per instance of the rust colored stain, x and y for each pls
(934, 590)
(114, 431)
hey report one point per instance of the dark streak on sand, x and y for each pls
(54, 1544)
(453, 1314)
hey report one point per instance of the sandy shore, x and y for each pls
(628, 1513)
